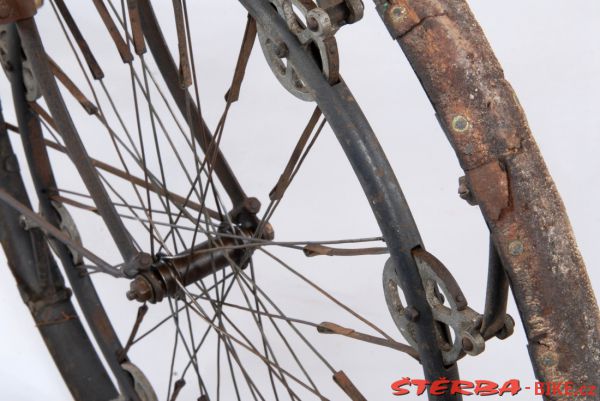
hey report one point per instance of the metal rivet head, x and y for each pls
(515, 248)
(460, 123)
(411, 313)
(398, 12)
(145, 260)
(467, 344)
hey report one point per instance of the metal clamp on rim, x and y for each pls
(314, 25)
(458, 326)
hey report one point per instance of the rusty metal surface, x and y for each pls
(185, 72)
(93, 65)
(349, 388)
(233, 94)
(15, 10)
(44, 182)
(43, 290)
(332, 328)
(160, 280)
(495, 318)
(64, 79)
(486, 126)
(32, 45)
(190, 111)
(118, 40)
(377, 180)
(137, 34)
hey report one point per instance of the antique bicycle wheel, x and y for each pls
(191, 242)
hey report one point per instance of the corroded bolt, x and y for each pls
(460, 123)
(252, 205)
(515, 247)
(411, 314)
(140, 290)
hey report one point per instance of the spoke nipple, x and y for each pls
(411, 313)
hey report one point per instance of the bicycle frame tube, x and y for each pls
(43, 180)
(42, 289)
(35, 52)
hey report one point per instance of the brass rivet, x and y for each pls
(399, 12)
(460, 123)
(515, 248)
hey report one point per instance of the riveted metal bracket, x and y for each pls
(459, 326)
(314, 25)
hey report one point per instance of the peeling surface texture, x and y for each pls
(485, 124)
(488, 184)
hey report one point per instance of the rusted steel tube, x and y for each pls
(193, 265)
(487, 128)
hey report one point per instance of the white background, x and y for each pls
(550, 55)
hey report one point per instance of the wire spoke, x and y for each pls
(164, 175)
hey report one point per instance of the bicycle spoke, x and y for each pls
(177, 193)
